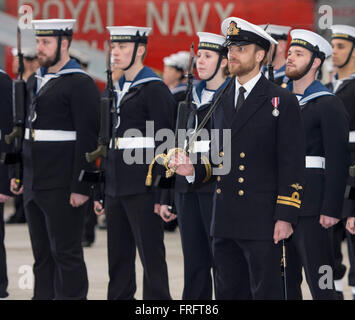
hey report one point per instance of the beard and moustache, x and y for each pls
(240, 69)
(296, 74)
(45, 61)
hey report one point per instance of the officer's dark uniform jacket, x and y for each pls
(65, 108)
(346, 92)
(280, 77)
(267, 164)
(5, 127)
(327, 158)
(148, 99)
(201, 147)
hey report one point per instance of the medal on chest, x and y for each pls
(275, 102)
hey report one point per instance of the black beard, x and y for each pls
(47, 63)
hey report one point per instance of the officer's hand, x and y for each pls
(99, 210)
(13, 187)
(327, 222)
(165, 214)
(77, 200)
(182, 163)
(157, 208)
(350, 225)
(282, 230)
(4, 197)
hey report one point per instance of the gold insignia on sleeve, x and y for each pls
(296, 186)
(208, 168)
(232, 29)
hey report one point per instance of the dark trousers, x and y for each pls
(310, 247)
(131, 222)
(3, 269)
(247, 269)
(338, 234)
(56, 231)
(195, 214)
(90, 223)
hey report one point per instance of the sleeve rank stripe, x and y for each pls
(289, 203)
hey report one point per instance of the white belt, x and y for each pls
(315, 162)
(352, 136)
(134, 143)
(201, 146)
(50, 135)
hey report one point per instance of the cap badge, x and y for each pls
(233, 30)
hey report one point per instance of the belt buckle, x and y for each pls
(116, 143)
(33, 134)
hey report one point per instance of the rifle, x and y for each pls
(18, 103)
(183, 110)
(106, 107)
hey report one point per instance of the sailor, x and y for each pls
(327, 159)
(61, 125)
(258, 197)
(278, 52)
(343, 86)
(142, 99)
(194, 204)
(5, 194)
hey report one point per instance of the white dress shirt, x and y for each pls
(248, 86)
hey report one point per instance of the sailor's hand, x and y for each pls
(99, 210)
(4, 197)
(350, 225)
(165, 214)
(157, 208)
(327, 222)
(282, 230)
(14, 186)
(182, 164)
(77, 200)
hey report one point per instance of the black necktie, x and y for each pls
(240, 99)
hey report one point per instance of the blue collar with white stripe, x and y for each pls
(197, 91)
(144, 76)
(315, 90)
(2, 71)
(280, 72)
(72, 66)
(179, 88)
(336, 78)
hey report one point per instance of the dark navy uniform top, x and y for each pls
(144, 109)
(202, 145)
(265, 179)
(5, 127)
(345, 90)
(67, 104)
(326, 126)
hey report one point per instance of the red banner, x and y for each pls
(174, 22)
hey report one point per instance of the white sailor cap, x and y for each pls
(241, 32)
(129, 34)
(179, 60)
(212, 41)
(276, 31)
(28, 53)
(79, 55)
(53, 27)
(341, 31)
(311, 41)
